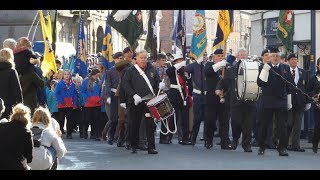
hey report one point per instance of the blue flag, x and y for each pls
(106, 59)
(199, 38)
(81, 54)
(179, 32)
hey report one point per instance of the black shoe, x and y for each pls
(315, 148)
(133, 150)
(298, 149)
(179, 142)
(92, 137)
(186, 143)
(120, 144)
(81, 136)
(283, 153)
(209, 146)
(234, 144)
(152, 151)
(110, 142)
(247, 149)
(226, 147)
(202, 139)
(98, 139)
(261, 151)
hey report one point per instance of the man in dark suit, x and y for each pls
(275, 100)
(299, 104)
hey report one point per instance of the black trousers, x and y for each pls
(55, 115)
(316, 137)
(78, 117)
(281, 116)
(92, 115)
(241, 122)
(66, 113)
(198, 116)
(136, 115)
(213, 113)
(114, 116)
(295, 116)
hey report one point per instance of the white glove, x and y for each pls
(289, 102)
(219, 65)
(199, 61)
(180, 65)
(137, 99)
(108, 100)
(123, 105)
(264, 74)
(162, 85)
(307, 107)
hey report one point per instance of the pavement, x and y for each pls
(87, 154)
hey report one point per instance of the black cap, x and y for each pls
(265, 51)
(274, 50)
(117, 55)
(218, 51)
(127, 49)
(292, 55)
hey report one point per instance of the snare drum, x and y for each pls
(246, 80)
(160, 107)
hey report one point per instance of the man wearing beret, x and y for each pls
(299, 104)
(214, 109)
(275, 100)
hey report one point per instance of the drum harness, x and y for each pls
(166, 124)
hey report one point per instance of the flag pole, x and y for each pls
(222, 99)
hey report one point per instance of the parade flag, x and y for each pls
(199, 38)
(49, 62)
(224, 27)
(151, 42)
(128, 23)
(107, 60)
(286, 28)
(179, 34)
(81, 54)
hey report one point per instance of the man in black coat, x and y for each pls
(299, 104)
(242, 111)
(214, 109)
(275, 100)
(136, 87)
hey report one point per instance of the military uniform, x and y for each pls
(134, 84)
(199, 96)
(242, 112)
(274, 102)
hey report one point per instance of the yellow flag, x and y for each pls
(224, 27)
(49, 62)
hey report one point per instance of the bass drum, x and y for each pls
(247, 88)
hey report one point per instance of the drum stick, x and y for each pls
(159, 88)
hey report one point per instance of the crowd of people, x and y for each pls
(112, 102)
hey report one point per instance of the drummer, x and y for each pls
(242, 111)
(139, 81)
(180, 99)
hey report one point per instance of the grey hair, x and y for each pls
(9, 43)
(242, 49)
(77, 78)
(141, 52)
